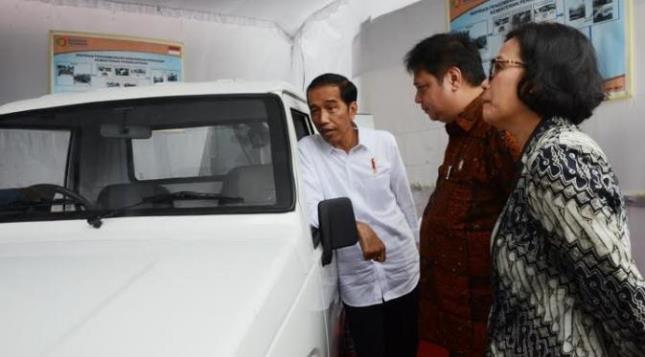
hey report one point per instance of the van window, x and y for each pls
(201, 151)
(31, 156)
(301, 123)
(206, 154)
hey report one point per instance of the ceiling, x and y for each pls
(288, 15)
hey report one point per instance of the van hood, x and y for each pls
(162, 286)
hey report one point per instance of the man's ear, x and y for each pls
(453, 78)
(353, 109)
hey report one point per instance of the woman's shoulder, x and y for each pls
(564, 140)
(569, 164)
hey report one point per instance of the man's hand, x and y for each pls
(371, 244)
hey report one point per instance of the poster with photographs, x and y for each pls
(80, 62)
(605, 22)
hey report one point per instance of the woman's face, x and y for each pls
(501, 103)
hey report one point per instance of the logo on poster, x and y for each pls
(71, 42)
(61, 41)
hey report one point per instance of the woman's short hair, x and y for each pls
(561, 73)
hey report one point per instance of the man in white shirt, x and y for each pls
(379, 275)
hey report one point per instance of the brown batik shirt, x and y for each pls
(473, 184)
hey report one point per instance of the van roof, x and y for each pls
(225, 86)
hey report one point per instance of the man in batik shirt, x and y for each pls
(473, 184)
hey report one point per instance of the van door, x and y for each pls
(330, 296)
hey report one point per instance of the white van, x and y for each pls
(164, 221)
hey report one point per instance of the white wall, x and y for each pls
(619, 126)
(326, 38)
(386, 88)
(215, 46)
(213, 50)
(386, 91)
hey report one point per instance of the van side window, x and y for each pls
(201, 151)
(33, 156)
(301, 123)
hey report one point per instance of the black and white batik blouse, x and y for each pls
(564, 280)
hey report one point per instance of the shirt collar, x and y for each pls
(365, 140)
(467, 118)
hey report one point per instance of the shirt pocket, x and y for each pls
(461, 172)
(375, 188)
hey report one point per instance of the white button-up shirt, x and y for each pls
(372, 175)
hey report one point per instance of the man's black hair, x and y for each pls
(348, 92)
(439, 52)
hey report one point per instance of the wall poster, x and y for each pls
(605, 22)
(80, 61)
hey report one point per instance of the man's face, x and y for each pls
(331, 116)
(433, 96)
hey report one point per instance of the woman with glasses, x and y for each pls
(564, 280)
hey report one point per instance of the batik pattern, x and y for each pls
(473, 184)
(564, 280)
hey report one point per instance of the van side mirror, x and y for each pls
(336, 226)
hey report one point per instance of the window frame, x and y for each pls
(298, 115)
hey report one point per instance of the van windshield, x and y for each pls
(178, 155)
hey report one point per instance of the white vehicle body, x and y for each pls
(185, 276)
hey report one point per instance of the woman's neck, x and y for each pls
(523, 128)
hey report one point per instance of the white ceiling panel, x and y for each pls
(287, 14)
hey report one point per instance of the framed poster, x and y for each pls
(607, 23)
(80, 61)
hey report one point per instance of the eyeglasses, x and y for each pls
(498, 64)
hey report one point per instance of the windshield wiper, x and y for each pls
(96, 220)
